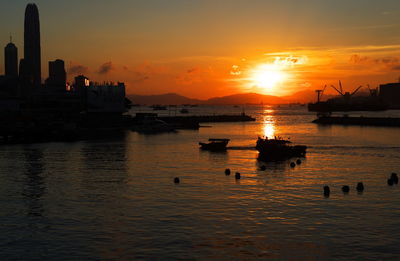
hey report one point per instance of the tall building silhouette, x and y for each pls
(32, 60)
(57, 75)
(11, 60)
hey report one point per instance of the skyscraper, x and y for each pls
(57, 75)
(11, 60)
(32, 45)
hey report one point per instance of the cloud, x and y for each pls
(385, 63)
(77, 69)
(105, 68)
(357, 59)
(192, 75)
(139, 77)
(235, 70)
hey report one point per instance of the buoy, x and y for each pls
(360, 187)
(227, 172)
(390, 182)
(394, 178)
(298, 162)
(263, 168)
(237, 175)
(176, 180)
(292, 164)
(327, 191)
(345, 189)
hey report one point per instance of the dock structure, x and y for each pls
(209, 118)
(360, 121)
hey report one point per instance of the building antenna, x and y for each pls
(10, 38)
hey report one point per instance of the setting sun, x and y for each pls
(267, 77)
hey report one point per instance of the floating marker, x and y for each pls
(345, 189)
(327, 191)
(227, 172)
(176, 180)
(390, 182)
(298, 162)
(360, 187)
(263, 168)
(292, 164)
(394, 178)
(237, 175)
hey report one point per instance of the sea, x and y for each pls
(115, 198)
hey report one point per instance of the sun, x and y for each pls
(267, 77)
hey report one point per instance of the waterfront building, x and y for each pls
(11, 60)
(32, 52)
(57, 76)
(106, 97)
(390, 94)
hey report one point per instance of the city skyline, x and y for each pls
(221, 49)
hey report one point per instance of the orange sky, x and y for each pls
(203, 49)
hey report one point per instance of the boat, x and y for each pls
(184, 110)
(214, 145)
(278, 149)
(158, 107)
(152, 125)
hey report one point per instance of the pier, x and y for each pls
(360, 121)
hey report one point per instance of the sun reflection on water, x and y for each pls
(268, 125)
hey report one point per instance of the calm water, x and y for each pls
(115, 199)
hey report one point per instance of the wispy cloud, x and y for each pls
(105, 68)
(75, 69)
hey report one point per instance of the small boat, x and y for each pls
(157, 107)
(278, 149)
(214, 145)
(152, 126)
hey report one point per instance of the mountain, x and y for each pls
(173, 98)
(163, 99)
(302, 96)
(246, 98)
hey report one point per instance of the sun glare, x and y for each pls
(267, 77)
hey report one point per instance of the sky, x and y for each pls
(205, 48)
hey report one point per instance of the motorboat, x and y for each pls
(214, 145)
(152, 125)
(278, 149)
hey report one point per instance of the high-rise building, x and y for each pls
(32, 56)
(57, 75)
(11, 60)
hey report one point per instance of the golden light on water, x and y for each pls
(268, 125)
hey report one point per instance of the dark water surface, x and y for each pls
(115, 199)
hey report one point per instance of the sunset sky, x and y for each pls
(204, 48)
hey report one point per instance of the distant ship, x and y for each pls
(348, 102)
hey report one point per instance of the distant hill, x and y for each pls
(246, 98)
(173, 98)
(163, 99)
(241, 98)
(306, 97)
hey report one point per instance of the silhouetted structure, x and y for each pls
(57, 112)
(57, 76)
(390, 94)
(11, 60)
(32, 53)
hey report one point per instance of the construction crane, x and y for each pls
(346, 95)
(320, 93)
(373, 92)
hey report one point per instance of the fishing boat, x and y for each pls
(214, 145)
(151, 125)
(278, 149)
